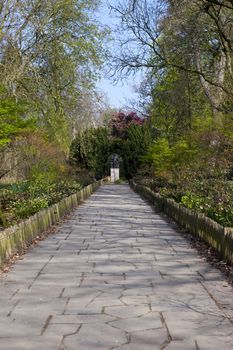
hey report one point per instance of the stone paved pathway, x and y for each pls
(115, 276)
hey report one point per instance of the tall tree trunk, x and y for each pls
(214, 93)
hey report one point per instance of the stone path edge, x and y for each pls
(115, 276)
(215, 235)
(15, 239)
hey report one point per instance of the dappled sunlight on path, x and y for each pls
(115, 276)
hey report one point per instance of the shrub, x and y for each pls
(19, 201)
(122, 121)
(90, 151)
(25, 208)
(213, 197)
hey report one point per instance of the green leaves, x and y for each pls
(50, 57)
(12, 120)
(168, 160)
(93, 147)
(23, 199)
(90, 150)
(134, 147)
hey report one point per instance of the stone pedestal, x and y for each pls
(115, 174)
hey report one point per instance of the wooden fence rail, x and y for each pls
(16, 238)
(216, 235)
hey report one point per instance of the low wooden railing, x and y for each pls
(216, 235)
(16, 238)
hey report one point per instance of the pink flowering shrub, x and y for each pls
(121, 121)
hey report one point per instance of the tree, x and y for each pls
(127, 135)
(131, 137)
(180, 34)
(50, 53)
(90, 150)
(121, 122)
(12, 118)
(133, 146)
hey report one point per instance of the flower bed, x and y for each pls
(15, 238)
(216, 235)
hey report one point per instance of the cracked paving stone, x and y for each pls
(134, 300)
(38, 307)
(101, 337)
(139, 291)
(149, 338)
(127, 311)
(182, 301)
(106, 301)
(191, 323)
(115, 276)
(137, 347)
(81, 319)
(207, 343)
(183, 345)
(149, 321)
(31, 343)
(11, 328)
(80, 294)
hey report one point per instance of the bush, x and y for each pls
(90, 151)
(19, 201)
(25, 208)
(129, 136)
(213, 197)
(122, 121)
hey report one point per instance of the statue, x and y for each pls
(115, 165)
(115, 161)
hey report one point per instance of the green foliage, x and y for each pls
(3, 219)
(15, 188)
(212, 197)
(160, 155)
(193, 201)
(93, 147)
(21, 200)
(90, 150)
(167, 160)
(42, 159)
(25, 208)
(12, 121)
(133, 147)
(187, 94)
(52, 191)
(55, 65)
(194, 171)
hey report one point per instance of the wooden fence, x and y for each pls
(16, 238)
(216, 235)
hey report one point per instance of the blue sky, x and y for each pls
(119, 94)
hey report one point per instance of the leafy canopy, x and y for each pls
(12, 120)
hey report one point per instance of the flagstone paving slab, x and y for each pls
(115, 275)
